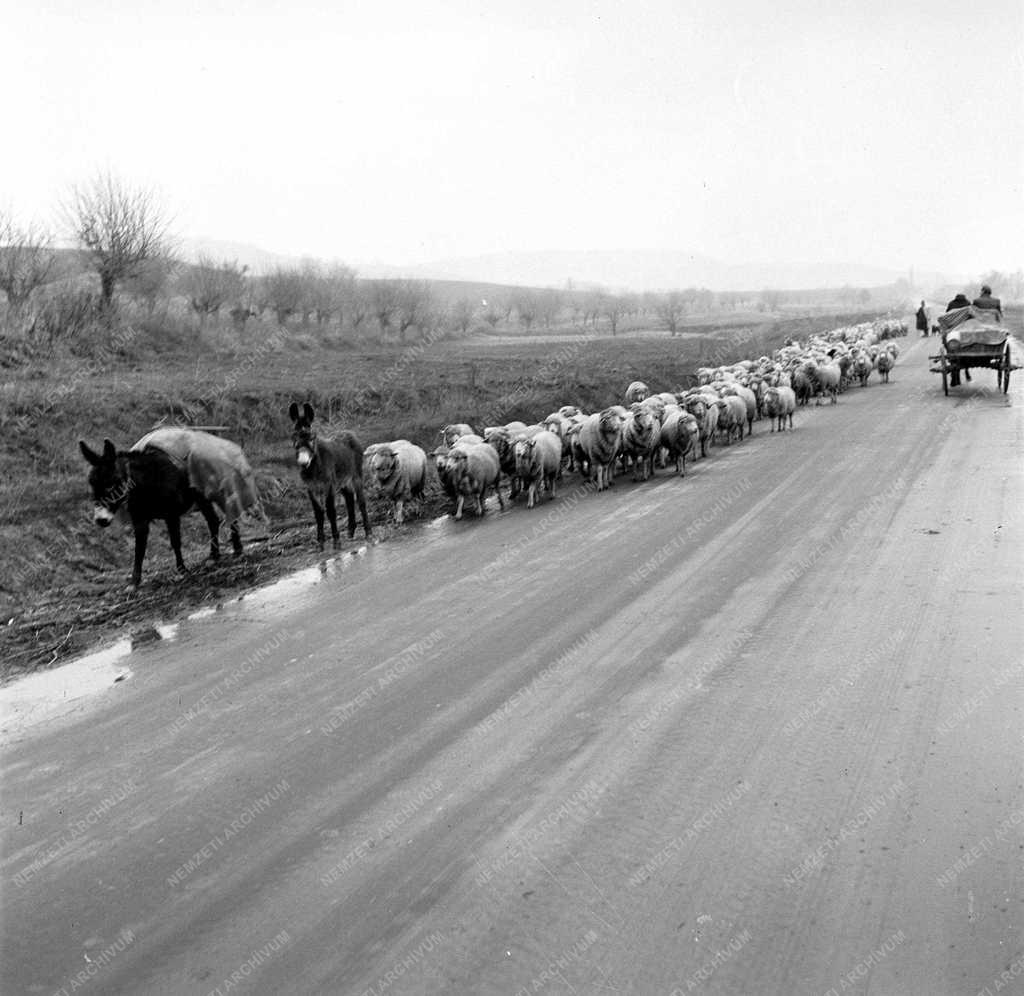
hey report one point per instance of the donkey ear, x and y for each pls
(91, 456)
(293, 412)
(109, 450)
(307, 412)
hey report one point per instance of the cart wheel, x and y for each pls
(1006, 369)
(945, 376)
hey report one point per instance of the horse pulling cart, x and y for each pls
(972, 339)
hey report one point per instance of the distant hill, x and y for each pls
(616, 270)
(258, 260)
(650, 269)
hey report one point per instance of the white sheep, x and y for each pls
(599, 440)
(732, 413)
(538, 460)
(680, 436)
(749, 399)
(473, 468)
(780, 402)
(636, 391)
(451, 433)
(400, 469)
(825, 375)
(705, 411)
(639, 444)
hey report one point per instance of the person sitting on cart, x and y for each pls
(987, 302)
(960, 301)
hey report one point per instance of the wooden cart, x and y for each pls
(972, 345)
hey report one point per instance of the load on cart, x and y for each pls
(973, 336)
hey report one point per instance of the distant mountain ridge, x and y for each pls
(616, 270)
(650, 270)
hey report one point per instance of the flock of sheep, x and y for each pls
(648, 430)
(174, 469)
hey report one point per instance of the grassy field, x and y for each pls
(63, 584)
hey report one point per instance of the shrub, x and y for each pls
(65, 315)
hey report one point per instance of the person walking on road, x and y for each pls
(922, 320)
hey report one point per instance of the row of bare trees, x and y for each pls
(122, 237)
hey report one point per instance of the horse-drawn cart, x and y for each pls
(972, 339)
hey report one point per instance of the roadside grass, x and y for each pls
(62, 580)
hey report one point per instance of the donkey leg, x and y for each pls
(174, 534)
(213, 525)
(236, 540)
(350, 512)
(332, 517)
(318, 515)
(361, 502)
(141, 537)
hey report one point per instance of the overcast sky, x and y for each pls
(874, 131)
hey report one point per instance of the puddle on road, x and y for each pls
(36, 698)
(45, 694)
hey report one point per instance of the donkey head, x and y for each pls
(109, 480)
(303, 433)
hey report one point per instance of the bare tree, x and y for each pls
(549, 306)
(118, 226)
(383, 302)
(494, 311)
(461, 314)
(525, 303)
(414, 302)
(593, 302)
(209, 285)
(26, 261)
(327, 290)
(847, 295)
(258, 295)
(284, 289)
(669, 309)
(341, 281)
(150, 280)
(612, 307)
(358, 305)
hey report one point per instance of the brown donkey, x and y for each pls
(327, 466)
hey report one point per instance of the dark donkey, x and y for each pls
(162, 477)
(327, 466)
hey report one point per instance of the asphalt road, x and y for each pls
(756, 731)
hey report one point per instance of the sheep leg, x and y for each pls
(399, 508)
(459, 502)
